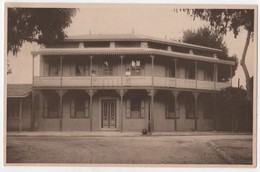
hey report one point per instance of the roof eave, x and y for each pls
(122, 51)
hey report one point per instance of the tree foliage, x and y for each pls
(230, 20)
(205, 37)
(224, 20)
(233, 104)
(40, 25)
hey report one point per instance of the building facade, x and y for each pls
(127, 83)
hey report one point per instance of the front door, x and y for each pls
(108, 114)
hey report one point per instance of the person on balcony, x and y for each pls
(128, 72)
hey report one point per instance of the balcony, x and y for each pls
(131, 81)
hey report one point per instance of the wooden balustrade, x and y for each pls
(137, 81)
(130, 81)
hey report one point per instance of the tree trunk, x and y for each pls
(244, 67)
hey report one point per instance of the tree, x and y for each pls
(233, 104)
(224, 20)
(40, 25)
(205, 37)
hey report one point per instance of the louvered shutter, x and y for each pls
(45, 108)
(86, 108)
(177, 109)
(72, 108)
(142, 109)
(128, 108)
(166, 109)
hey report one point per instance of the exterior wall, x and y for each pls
(161, 123)
(14, 124)
(184, 124)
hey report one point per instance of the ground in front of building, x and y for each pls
(207, 149)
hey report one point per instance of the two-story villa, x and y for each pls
(127, 82)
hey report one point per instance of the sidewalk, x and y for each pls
(116, 133)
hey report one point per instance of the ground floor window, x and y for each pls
(51, 107)
(170, 108)
(13, 108)
(135, 108)
(189, 108)
(79, 107)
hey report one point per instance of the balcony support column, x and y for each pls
(121, 93)
(152, 93)
(196, 112)
(61, 93)
(91, 68)
(175, 93)
(213, 96)
(91, 93)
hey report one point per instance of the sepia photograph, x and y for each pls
(130, 84)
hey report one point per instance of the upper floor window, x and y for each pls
(107, 68)
(54, 68)
(134, 68)
(81, 69)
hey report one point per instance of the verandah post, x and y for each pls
(60, 93)
(121, 93)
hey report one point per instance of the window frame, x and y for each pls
(108, 70)
(137, 104)
(190, 104)
(75, 99)
(47, 99)
(170, 103)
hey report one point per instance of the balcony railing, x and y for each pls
(137, 81)
(131, 81)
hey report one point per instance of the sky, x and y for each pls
(151, 20)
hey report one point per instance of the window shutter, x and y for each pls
(72, 108)
(86, 109)
(46, 68)
(72, 69)
(166, 109)
(142, 109)
(128, 109)
(45, 108)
